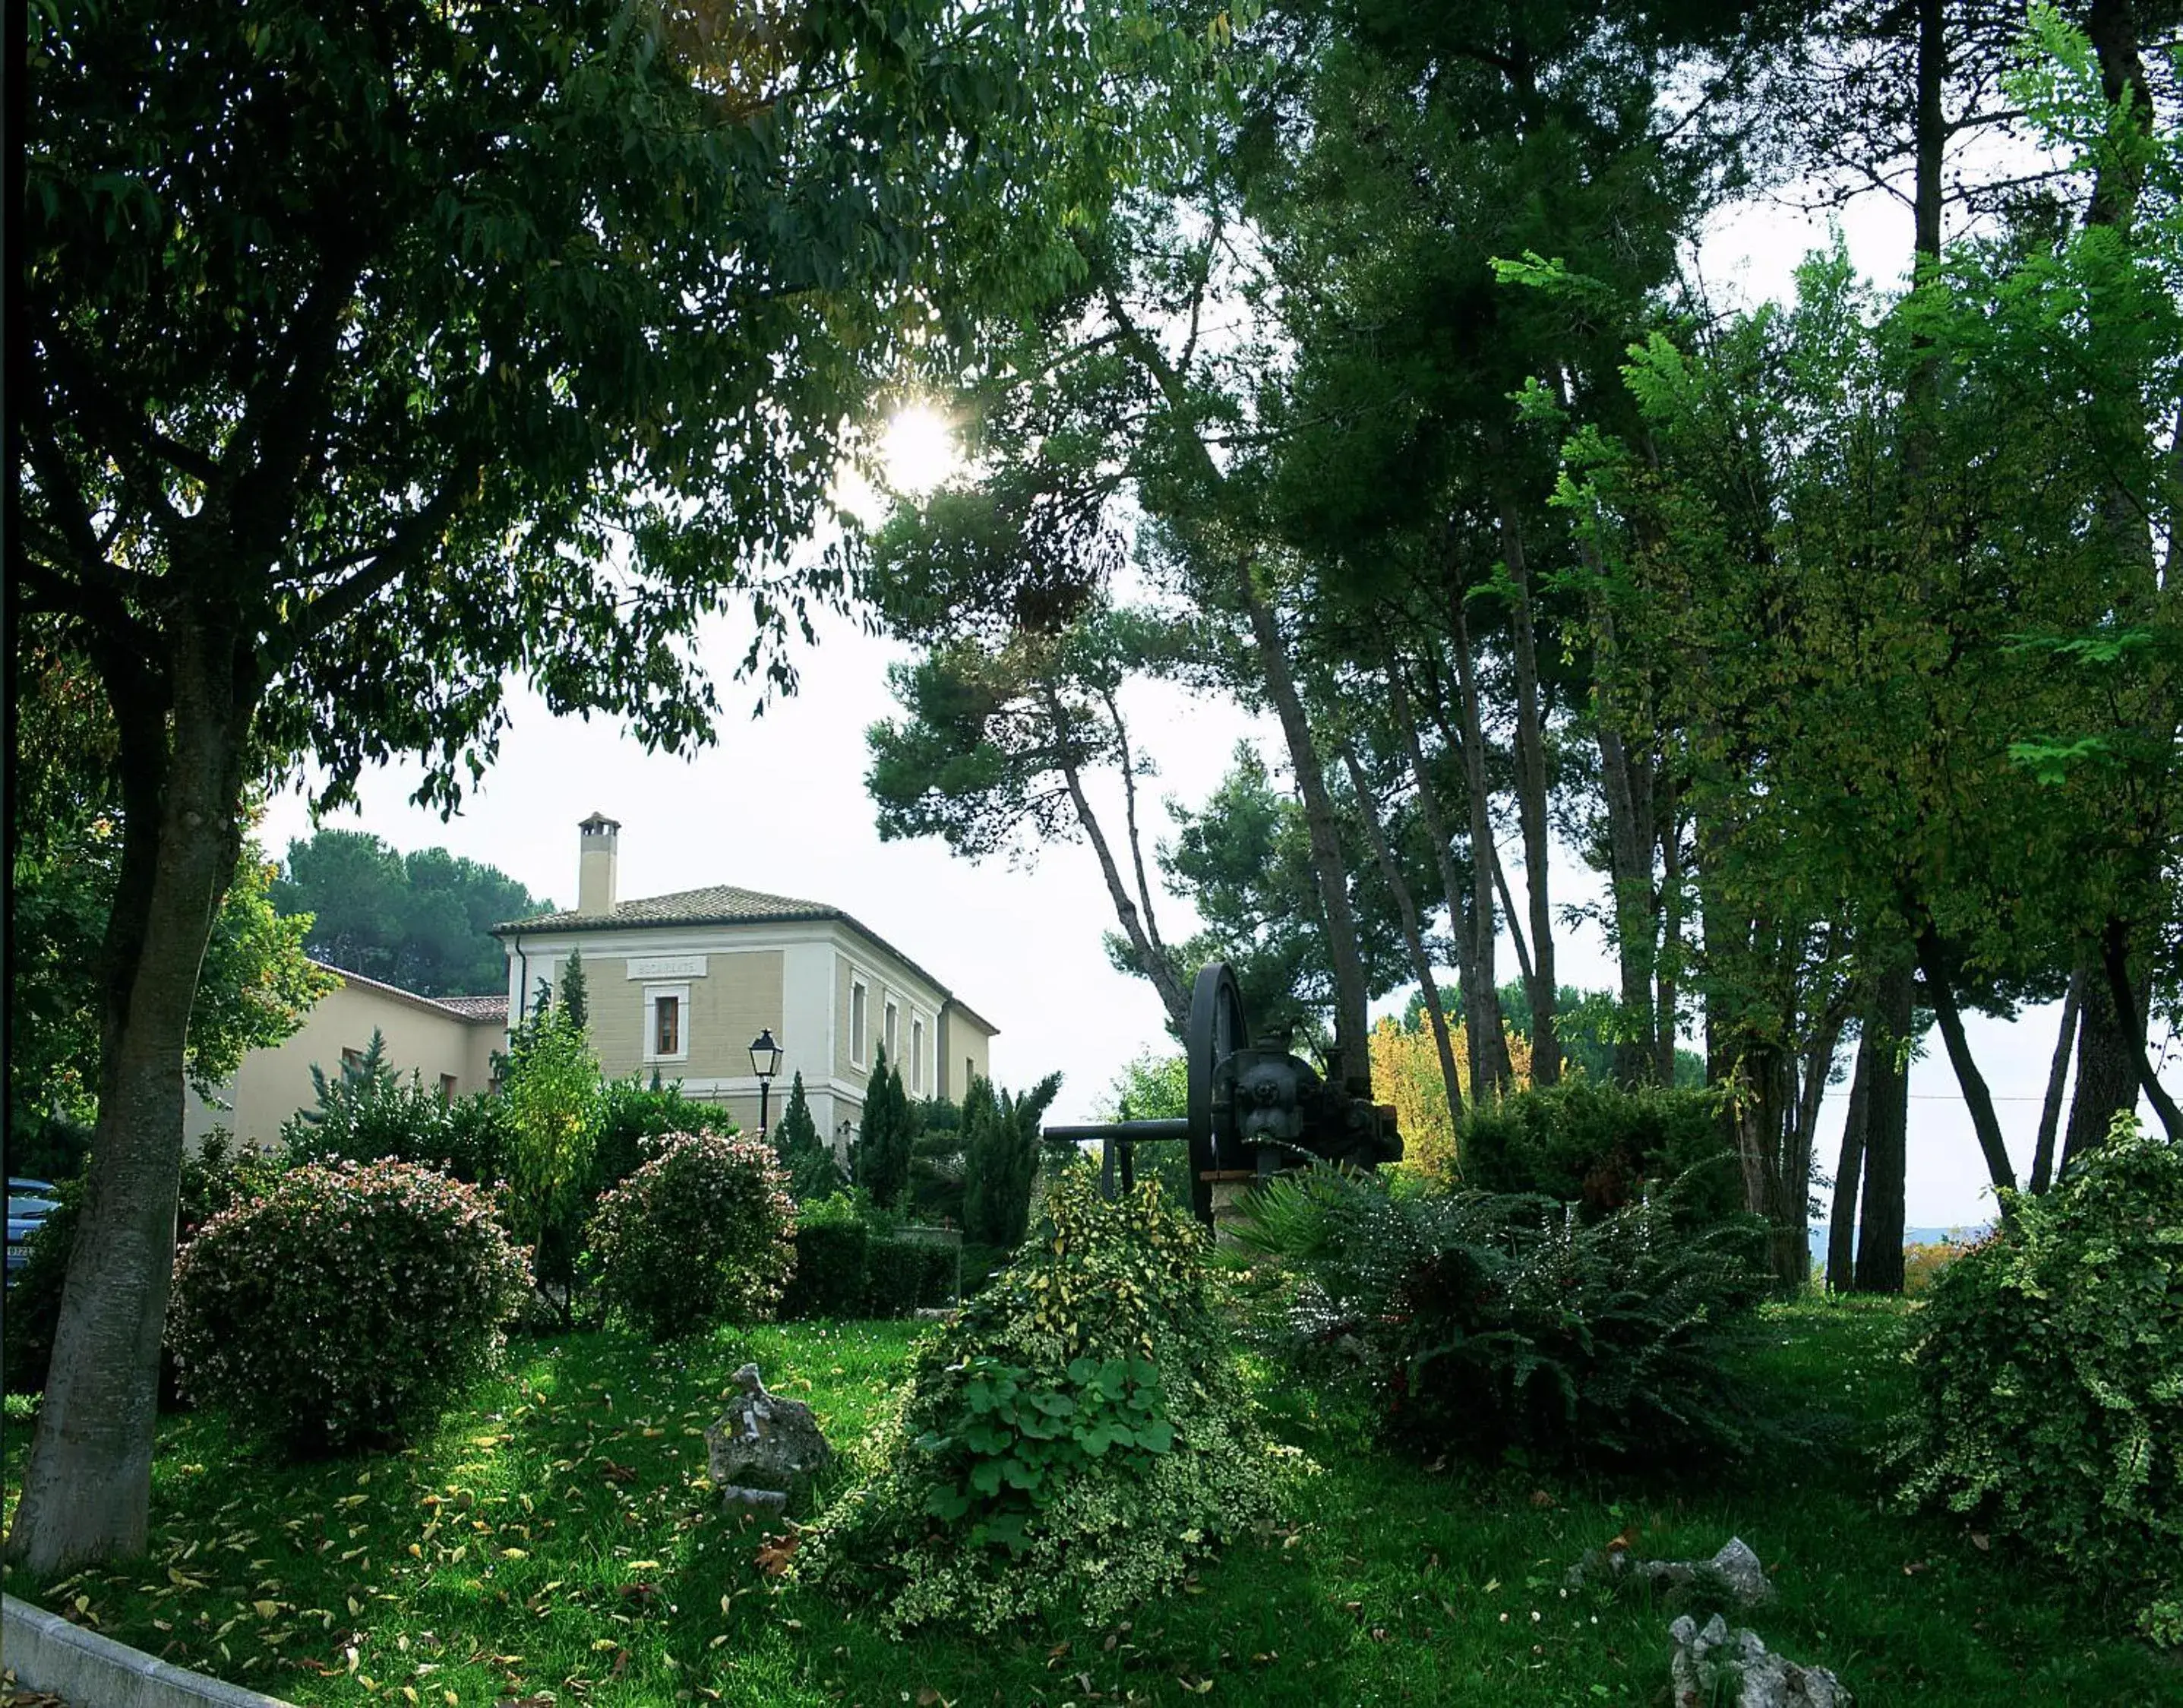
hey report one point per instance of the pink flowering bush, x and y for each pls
(349, 1306)
(702, 1234)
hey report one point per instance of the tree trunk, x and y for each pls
(1486, 1020)
(1671, 931)
(2107, 1068)
(1628, 786)
(1466, 951)
(2114, 960)
(1156, 965)
(2050, 1113)
(87, 1483)
(1352, 1000)
(1842, 1226)
(1531, 800)
(1933, 962)
(1406, 908)
(1883, 1074)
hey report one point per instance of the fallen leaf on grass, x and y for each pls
(1981, 1541)
(775, 1553)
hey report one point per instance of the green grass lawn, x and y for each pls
(549, 1545)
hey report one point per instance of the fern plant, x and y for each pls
(1488, 1323)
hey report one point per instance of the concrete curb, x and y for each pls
(46, 1653)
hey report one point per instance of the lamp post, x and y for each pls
(765, 1062)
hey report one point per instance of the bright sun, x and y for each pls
(917, 451)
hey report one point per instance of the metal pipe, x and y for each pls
(1125, 1132)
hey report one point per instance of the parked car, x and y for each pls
(29, 1203)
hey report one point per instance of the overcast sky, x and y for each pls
(779, 805)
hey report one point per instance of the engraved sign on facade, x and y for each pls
(667, 967)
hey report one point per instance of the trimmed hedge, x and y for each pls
(697, 1236)
(1600, 1147)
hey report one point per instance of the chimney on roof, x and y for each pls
(595, 870)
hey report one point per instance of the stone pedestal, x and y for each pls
(1230, 1186)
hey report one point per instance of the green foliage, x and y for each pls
(2049, 1364)
(215, 1178)
(1001, 1151)
(1070, 1444)
(853, 1259)
(1016, 1442)
(575, 994)
(629, 1111)
(805, 1158)
(551, 1094)
(347, 1307)
(1589, 1142)
(1586, 1024)
(887, 1135)
(700, 1234)
(256, 986)
(371, 1112)
(1490, 1324)
(421, 921)
(1154, 1087)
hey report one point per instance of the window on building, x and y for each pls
(893, 1043)
(969, 1072)
(351, 1060)
(917, 1057)
(667, 1023)
(856, 998)
(447, 1087)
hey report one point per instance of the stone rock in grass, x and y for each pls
(1718, 1668)
(1734, 1575)
(765, 1447)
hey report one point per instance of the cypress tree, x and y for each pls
(885, 1146)
(575, 999)
(804, 1158)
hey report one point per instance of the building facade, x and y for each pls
(449, 1043)
(680, 986)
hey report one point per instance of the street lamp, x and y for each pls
(765, 1062)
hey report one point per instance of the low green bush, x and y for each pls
(348, 1307)
(371, 1119)
(853, 1259)
(700, 1234)
(1592, 1144)
(1490, 1324)
(1070, 1444)
(2049, 1365)
(216, 1177)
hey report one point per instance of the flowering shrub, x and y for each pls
(2049, 1360)
(701, 1233)
(348, 1307)
(1070, 1444)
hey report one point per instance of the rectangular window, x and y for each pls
(857, 1023)
(351, 1059)
(917, 1057)
(447, 1087)
(894, 1042)
(969, 1072)
(667, 1022)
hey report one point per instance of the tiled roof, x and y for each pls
(477, 1007)
(718, 904)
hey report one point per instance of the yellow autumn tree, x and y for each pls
(1405, 1072)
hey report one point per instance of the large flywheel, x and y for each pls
(1216, 1031)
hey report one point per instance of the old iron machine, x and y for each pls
(1251, 1110)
